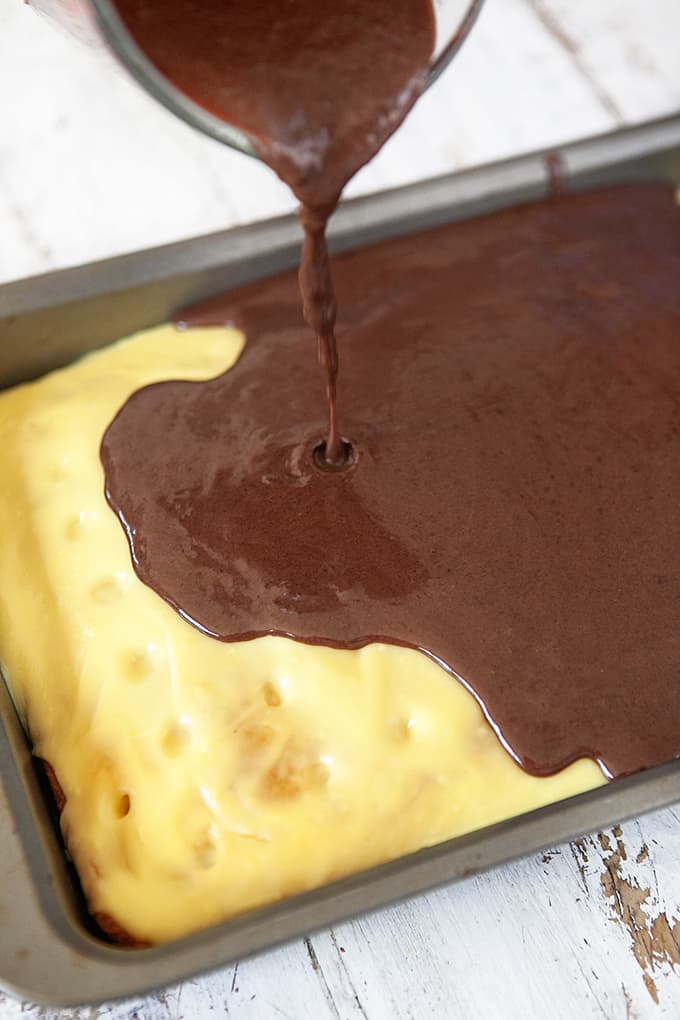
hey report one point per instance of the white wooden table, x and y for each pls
(90, 167)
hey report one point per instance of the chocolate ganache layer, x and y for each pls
(318, 86)
(512, 391)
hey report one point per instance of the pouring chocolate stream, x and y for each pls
(318, 86)
(509, 501)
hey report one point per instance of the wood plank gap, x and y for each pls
(553, 26)
(321, 977)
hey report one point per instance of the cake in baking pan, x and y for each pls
(250, 673)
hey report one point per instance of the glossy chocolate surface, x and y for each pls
(512, 387)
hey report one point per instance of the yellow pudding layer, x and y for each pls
(203, 778)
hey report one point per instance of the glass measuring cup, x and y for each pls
(97, 22)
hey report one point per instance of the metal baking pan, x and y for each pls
(47, 952)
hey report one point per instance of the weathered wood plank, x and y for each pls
(587, 929)
(90, 167)
(629, 50)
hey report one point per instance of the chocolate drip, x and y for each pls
(320, 309)
(556, 169)
(317, 85)
(511, 385)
